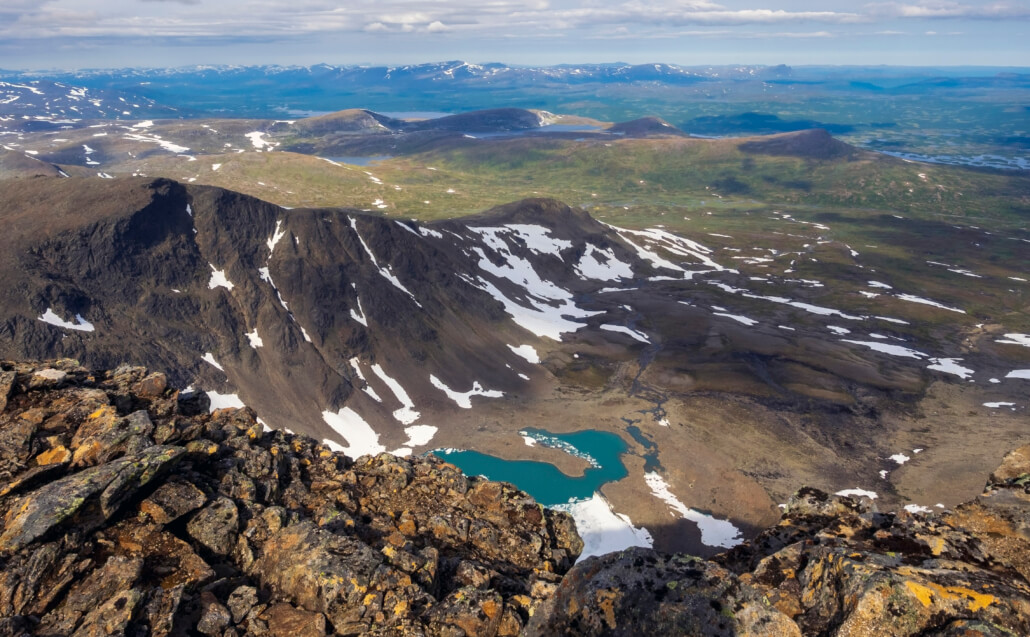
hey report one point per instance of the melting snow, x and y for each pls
(257, 139)
(419, 435)
(640, 336)
(861, 493)
(210, 358)
(1019, 373)
(916, 508)
(886, 348)
(611, 269)
(464, 399)
(266, 275)
(999, 405)
(361, 438)
(255, 340)
(604, 531)
(1016, 339)
(714, 532)
(951, 366)
(740, 319)
(80, 324)
(527, 352)
(154, 139)
(218, 279)
(385, 272)
(355, 365)
(900, 458)
(916, 299)
(276, 235)
(406, 414)
(359, 314)
(224, 401)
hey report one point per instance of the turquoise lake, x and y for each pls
(544, 481)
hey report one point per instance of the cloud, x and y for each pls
(948, 9)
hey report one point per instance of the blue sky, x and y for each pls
(70, 34)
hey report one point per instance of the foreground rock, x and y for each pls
(128, 509)
(832, 566)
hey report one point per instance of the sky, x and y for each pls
(74, 34)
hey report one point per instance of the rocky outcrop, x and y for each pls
(129, 509)
(832, 566)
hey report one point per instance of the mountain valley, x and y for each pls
(728, 318)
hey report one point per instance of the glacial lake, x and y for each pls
(542, 480)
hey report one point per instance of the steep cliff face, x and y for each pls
(128, 509)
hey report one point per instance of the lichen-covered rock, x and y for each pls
(639, 591)
(129, 511)
(832, 566)
(126, 510)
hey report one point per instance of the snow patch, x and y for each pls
(406, 414)
(622, 329)
(1016, 339)
(361, 438)
(80, 324)
(464, 399)
(224, 401)
(210, 358)
(608, 269)
(419, 435)
(255, 340)
(527, 352)
(604, 531)
(218, 279)
(861, 493)
(886, 348)
(355, 365)
(276, 235)
(714, 532)
(951, 366)
(916, 299)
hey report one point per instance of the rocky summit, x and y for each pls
(127, 508)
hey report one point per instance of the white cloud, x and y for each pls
(947, 9)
